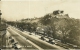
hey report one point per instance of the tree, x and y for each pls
(61, 25)
(34, 26)
(3, 20)
(46, 19)
(74, 25)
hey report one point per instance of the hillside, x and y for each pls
(56, 25)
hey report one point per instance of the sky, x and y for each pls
(21, 9)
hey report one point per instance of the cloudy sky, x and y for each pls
(19, 9)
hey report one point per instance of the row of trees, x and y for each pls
(31, 27)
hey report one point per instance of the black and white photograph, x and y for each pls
(39, 24)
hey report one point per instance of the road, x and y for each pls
(25, 44)
(39, 43)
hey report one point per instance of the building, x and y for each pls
(2, 34)
(59, 14)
